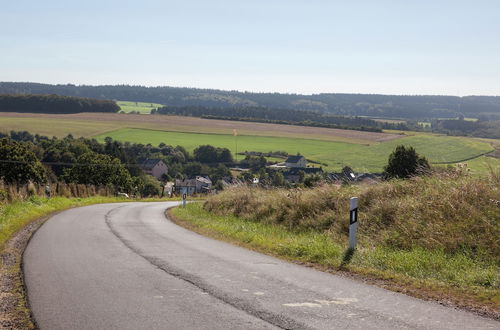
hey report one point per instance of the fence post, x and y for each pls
(353, 222)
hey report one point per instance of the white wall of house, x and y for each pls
(301, 163)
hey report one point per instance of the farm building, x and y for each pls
(296, 162)
(193, 186)
(292, 175)
(154, 167)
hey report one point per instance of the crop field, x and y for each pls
(142, 107)
(369, 158)
(86, 124)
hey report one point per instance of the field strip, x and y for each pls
(363, 158)
(63, 124)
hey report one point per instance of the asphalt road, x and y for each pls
(125, 266)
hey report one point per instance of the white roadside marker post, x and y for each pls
(353, 222)
(184, 197)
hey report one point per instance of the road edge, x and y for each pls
(15, 311)
(385, 283)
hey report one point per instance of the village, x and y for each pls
(294, 171)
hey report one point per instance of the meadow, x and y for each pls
(141, 107)
(361, 157)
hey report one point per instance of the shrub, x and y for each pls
(405, 162)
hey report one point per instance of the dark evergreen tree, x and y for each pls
(404, 162)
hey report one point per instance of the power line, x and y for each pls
(66, 164)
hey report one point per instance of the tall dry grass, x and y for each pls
(448, 211)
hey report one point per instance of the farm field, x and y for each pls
(364, 151)
(363, 158)
(87, 124)
(142, 107)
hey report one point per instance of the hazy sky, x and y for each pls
(308, 46)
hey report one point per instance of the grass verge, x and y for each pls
(18, 221)
(456, 280)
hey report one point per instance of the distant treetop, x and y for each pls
(34, 103)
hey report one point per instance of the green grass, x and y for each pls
(369, 158)
(483, 164)
(432, 273)
(142, 107)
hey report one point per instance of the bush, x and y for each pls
(405, 162)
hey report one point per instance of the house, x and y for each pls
(351, 177)
(193, 186)
(154, 167)
(187, 187)
(296, 161)
(292, 175)
(203, 184)
(168, 188)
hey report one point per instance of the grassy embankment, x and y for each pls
(363, 158)
(433, 237)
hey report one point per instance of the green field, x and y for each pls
(142, 107)
(362, 158)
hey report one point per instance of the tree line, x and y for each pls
(460, 127)
(26, 157)
(54, 104)
(372, 105)
(280, 116)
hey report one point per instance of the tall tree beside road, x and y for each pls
(99, 170)
(19, 164)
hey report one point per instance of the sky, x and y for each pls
(406, 47)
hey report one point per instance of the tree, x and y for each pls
(405, 162)
(98, 170)
(148, 186)
(277, 179)
(209, 154)
(195, 168)
(19, 164)
(219, 172)
(205, 154)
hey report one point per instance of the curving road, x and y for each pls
(124, 266)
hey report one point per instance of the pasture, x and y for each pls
(141, 107)
(363, 158)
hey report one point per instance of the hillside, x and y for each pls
(387, 106)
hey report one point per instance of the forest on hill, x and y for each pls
(54, 104)
(373, 105)
(281, 116)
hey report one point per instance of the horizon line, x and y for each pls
(241, 91)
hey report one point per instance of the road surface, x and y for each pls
(125, 266)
